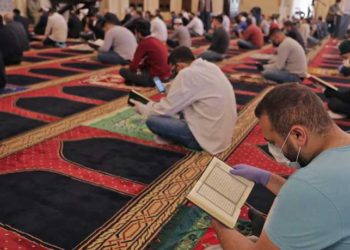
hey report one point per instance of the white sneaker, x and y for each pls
(336, 116)
(161, 141)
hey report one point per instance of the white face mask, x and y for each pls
(277, 153)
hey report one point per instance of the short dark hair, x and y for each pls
(218, 18)
(16, 11)
(249, 21)
(143, 27)
(294, 104)
(110, 18)
(275, 31)
(181, 54)
(288, 24)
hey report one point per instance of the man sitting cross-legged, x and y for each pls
(220, 41)
(199, 111)
(289, 64)
(311, 210)
(181, 35)
(252, 37)
(150, 59)
(119, 44)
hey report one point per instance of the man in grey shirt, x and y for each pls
(181, 35)
(290, 63)
(119, 45)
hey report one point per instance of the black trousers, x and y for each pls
(338, 102)
(49, 42)
(143, 79)
(172, 43)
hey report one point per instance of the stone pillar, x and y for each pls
(218, 7)
(117, 7)
(21, 5)
(176, 5)
(151, 5)
(195, 4)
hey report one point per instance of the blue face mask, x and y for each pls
(277, 153)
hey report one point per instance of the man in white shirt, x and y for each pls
(195, 26)
(159, 29)
(119, 44)
(204, 100)
(305, 30)
(181, 36)
(56, 31)
(226, 23)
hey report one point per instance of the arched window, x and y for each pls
(138, 4)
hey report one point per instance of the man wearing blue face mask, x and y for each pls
(311, 208)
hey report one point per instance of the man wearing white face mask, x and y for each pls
(311, 208)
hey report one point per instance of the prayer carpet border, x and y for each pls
(137, 224)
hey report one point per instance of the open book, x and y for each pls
(136, 96)
(96, 44)
(221, 194)
(321, 82)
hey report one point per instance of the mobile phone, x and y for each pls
(159, 85)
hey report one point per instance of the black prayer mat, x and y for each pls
(34, 59)
(53, 106)
(85, 65)
(93, 92)
(23, 80)
(120, 158)
(12, 125)
(54, 72)
(54, 208)
(55, 54)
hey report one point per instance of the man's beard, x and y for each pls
(292, 153)
(275, 44)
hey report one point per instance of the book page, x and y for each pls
(99, 42)
(221, 194)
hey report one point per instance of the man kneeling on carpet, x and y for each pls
(199, 111)
(311, 208)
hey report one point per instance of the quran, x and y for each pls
(220, 193)
(136, 96)
(322, 82)
(96, 44)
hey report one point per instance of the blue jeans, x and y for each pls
(173, 129)
(312, 41)
(243, 44)
(111, 57)
(211, 56)
(280, 76)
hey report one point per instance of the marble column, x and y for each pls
(151, 5)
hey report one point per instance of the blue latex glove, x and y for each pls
(257, 175)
